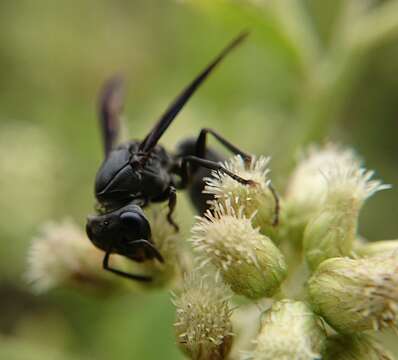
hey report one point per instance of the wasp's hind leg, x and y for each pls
(208, 164)
(200, 150)
(172, 204)
(106, 266)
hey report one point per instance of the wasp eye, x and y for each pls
(131, 219)
(136, 223)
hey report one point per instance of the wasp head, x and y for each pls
(119, 228)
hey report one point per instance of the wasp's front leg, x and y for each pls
(172, 204)
(137, 250)
(208, 164)
(136, 277)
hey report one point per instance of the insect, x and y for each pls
(139, 172)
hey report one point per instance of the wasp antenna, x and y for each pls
(172, 111)
(110, 108)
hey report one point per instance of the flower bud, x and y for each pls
(307, 187)
(248, 261)
(357, 295)
(203, 320)
(329, 234)
(376, 248)
(289, 330)
(332, 231)
(63, 256)
(259, 198)
(354, 347)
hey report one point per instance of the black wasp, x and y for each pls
(137, 173)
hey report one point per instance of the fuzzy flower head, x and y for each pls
(247, 260)
(203, 319)
(349, 184)
(289, 330)
(333, 230)
(357, 295)
(62, 255)
(354, 347)
(307, 186)
(259, 198)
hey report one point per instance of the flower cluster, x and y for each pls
(349, 286)
(247, 250)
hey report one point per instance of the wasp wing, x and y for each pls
(110, 108)
(166, 119)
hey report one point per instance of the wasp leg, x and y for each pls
(172, 204)
(212, 165)
(201, 152)
(277, 205)
(105, 265)
(201, 145)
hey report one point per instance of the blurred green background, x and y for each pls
(311, 70)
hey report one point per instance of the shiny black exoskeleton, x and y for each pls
(124, 176)
(137, 173)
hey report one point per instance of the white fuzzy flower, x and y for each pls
(62, 255)
(248, 261)
(357, 295)
(333, 230)
(203, 319)
(351, 182)
(289, 330)
(307, 187)
(258, 199)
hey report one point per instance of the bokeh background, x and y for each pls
(310, 71)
